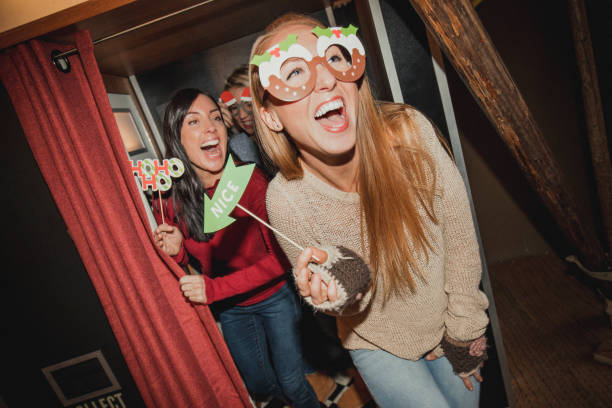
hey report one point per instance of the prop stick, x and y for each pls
(161, 207)
(232, 185)
(298, 246)
(351, 274)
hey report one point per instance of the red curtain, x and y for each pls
(173, 349)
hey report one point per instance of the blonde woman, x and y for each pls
(374, 179)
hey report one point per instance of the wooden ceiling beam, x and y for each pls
(595, 120)
(464, 40)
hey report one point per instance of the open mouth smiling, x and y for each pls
(211, 147)
(331, 115)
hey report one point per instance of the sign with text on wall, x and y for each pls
(108, 401)
(85, 378)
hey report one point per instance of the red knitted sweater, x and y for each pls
(242, 261)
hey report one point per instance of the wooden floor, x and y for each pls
(551, 323)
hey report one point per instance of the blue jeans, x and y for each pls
(396, 382)
(265, 344)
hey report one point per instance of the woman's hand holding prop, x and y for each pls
(311, 284)
(168, 238)
(332, 278)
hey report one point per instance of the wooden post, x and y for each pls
(596, 126)
(462, 37)
(381, 87)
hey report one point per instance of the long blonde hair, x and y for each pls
(238, 78)
(393, 175)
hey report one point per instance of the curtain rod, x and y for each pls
(62, 55)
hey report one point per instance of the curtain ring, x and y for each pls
(61, 62)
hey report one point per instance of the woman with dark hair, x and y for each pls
(243, 268)
(372, 178)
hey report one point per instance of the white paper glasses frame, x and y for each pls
(271, 63)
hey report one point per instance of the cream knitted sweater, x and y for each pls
(312, 212)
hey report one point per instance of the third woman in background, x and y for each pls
(237, 97)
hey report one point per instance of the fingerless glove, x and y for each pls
(351, 273)
(465, 356)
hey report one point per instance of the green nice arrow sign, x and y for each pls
(232, 185)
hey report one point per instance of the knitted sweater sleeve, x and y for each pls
(286, 215)
(465, 317)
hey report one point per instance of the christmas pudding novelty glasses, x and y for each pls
(288, 70)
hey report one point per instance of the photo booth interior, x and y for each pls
(75, 334)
